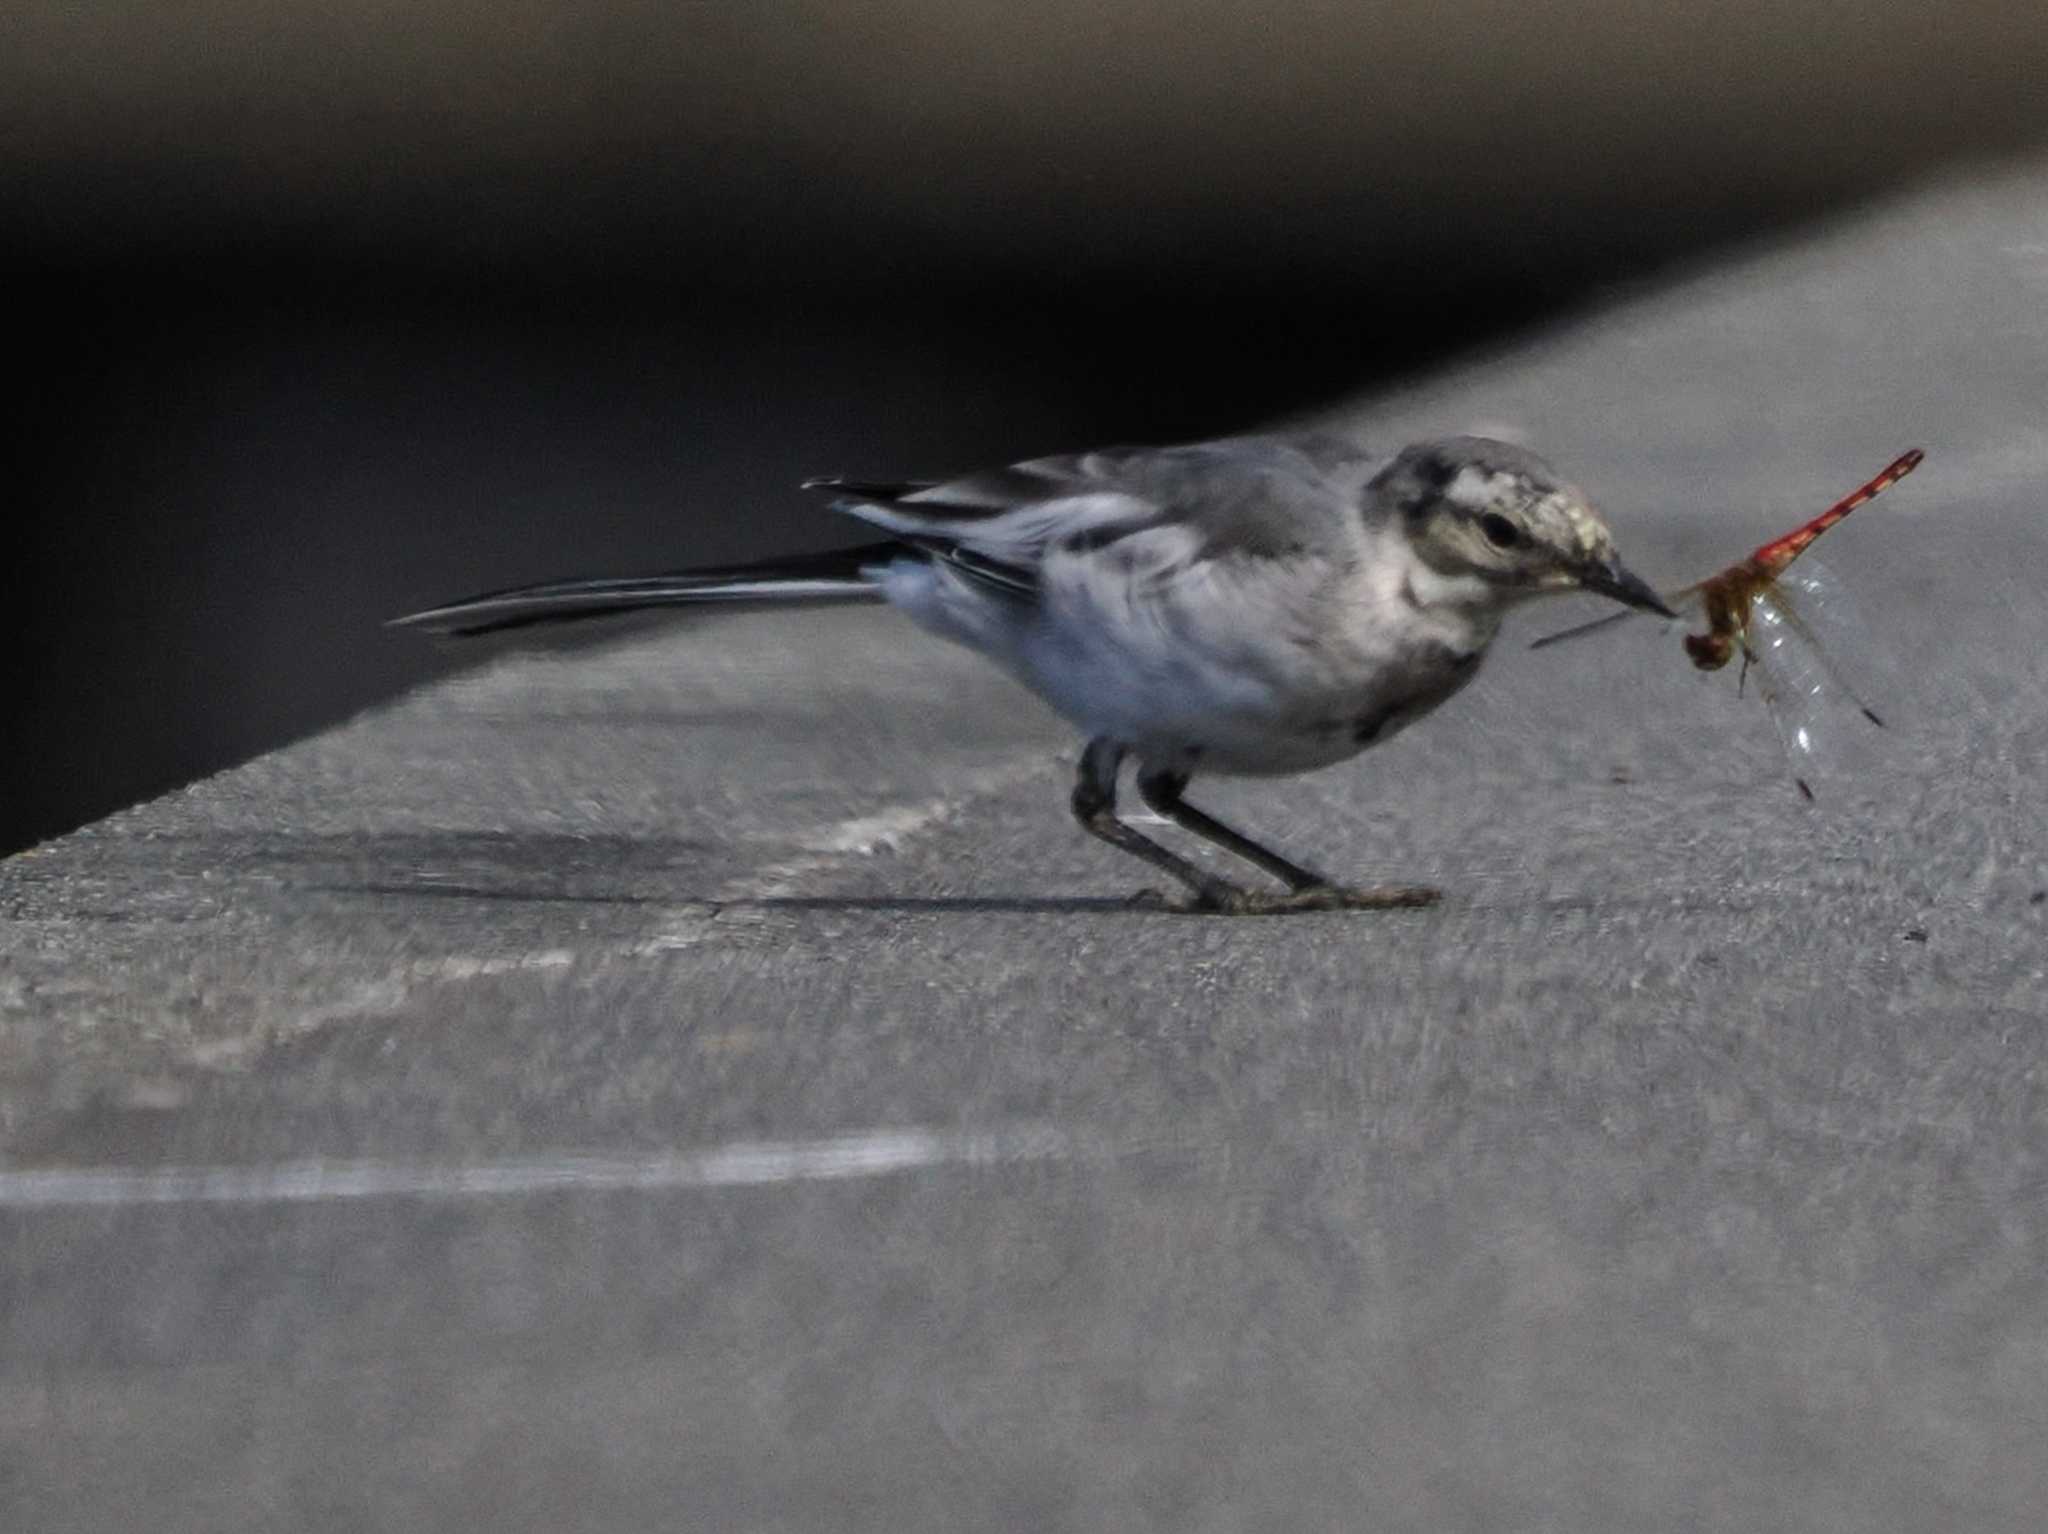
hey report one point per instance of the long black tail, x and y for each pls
(834, 577)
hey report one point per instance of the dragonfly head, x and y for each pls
(1710, 651)
(1498, 515)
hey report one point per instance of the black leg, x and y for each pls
(1162, 792)
(1095, 807)
(1307, 890)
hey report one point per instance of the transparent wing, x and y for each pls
(1822, 721)
(1817, 607)
(1681, 602)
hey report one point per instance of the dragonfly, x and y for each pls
(1768, 615)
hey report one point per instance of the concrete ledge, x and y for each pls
(742, 1093)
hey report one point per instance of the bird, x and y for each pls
(1250, 606)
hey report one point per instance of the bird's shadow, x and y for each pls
(1024, 905)
(1132, 904)
(616, 872)
(1029, 905)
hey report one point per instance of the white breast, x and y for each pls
(1249, 666)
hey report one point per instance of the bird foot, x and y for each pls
(1340, 897)
(1228, 900)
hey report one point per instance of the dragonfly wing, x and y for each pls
(1680, 602)
(1815, 606)
(1812, 709)
(1789, 683)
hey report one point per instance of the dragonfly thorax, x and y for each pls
(1724, 602)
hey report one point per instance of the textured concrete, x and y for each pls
(703, 1081)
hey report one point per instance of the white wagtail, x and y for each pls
(1257, 606)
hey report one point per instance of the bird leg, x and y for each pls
(1306, 889)
(1094, 805)
(1162, 792)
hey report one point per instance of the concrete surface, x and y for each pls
(704, 1082)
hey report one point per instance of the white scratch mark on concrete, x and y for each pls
(456, 966)
(825, 847)
(877, 1153)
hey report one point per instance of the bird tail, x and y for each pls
(842, 575)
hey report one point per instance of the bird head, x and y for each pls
(1499, 518)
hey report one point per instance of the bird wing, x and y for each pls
(1258, 497)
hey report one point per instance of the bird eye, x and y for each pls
(1499, 530)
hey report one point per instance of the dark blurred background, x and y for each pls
(321, 315)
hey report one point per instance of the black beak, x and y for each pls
(1614, 579)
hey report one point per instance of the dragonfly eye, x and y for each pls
(1500, 531)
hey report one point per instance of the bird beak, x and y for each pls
(1614, 579)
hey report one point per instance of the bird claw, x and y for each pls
(1230, 901)
(1338, 897)
(1217, 899)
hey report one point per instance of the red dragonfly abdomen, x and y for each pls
(1773, 557)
